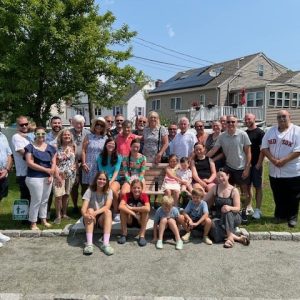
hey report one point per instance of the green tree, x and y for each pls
(51, 50)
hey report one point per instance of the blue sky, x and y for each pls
(209, 30)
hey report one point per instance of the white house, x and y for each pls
(134, 105)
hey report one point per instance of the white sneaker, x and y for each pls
(186, 237)
(257, 214)
(1, 245)
(117, 218)
(4, 238)
(249, 211)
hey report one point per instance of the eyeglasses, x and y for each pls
(118, 121)
(230, 122)
(109, 121)
(142, 122)
(23, 125)
(40, 134)
(199, 126)
(101, 125)
(281, 117)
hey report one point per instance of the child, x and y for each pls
(95, 210)
(195, 215)
(185, 174)
(165, 217)
(134, 208)
(171, 186)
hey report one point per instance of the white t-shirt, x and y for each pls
(18, 143)
(96, 201)
(183, 144)
(281, 144)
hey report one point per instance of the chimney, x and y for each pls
(158, 82)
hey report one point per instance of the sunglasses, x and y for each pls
(281, 117)
(40, 134)
(143, 122)
(230, 122)
(109, 121)
(101, 125)
(199, 126)
(118, 121)
(23, 125)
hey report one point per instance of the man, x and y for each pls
(236, 144)
(281, 145)
(56, 127)
(172, 130)
(223, 120)
(19, 142)
(255, 178)
(109, 120)
(184, 141)
(119, 119)
(5, 166)
(79, 133)
(140, 124)
(201, 134)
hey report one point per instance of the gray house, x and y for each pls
(252, 83)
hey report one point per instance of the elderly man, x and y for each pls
(201, 134)
(281, 145)
(5, 166)
(19, 141)
(109, 120)
(255, 179)
(79, 133)
(223, 121)
(236, 144)
(119, 119)
(184, 141)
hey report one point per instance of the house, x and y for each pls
(134, 105)
(253, 83)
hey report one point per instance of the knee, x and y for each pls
(108, 213)
(163, 221)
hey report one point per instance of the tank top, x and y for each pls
(203, 168)
(220, 201)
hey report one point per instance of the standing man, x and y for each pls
(109, 120)
(19, 141)
(172, 130)
(236, 144)
(255, 178)
(119, 119)
(201, 134)
(223, 121)
(281, 145)
(56, 127)
(5, 166)
(184, 141)
(79, 133)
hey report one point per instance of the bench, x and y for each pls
(154, 177)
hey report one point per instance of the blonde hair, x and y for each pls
(167, 201)
(198, 193)
(95, 121)
(60, 135)
(154, 114)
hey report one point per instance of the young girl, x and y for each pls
(134, 166)
(110, 162)
(134, 209)
(171, 183)
(166, 216)
(95, 210)
(203, 169)
(185, 174)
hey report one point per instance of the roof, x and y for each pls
(133, 89)
(203, 77)
(285, 77)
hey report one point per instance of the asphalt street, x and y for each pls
(265, 269)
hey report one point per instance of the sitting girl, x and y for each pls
(134, 208)
(203, 169)
(95, 210)
(166, 216)
(185, 174)
(134, 166)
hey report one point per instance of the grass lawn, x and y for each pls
(266, 223)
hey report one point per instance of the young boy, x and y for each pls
(196, 215)
(166, 216)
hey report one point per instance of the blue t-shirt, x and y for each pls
(42, 158)
(160, 213)
(196, 211)
(109, 169)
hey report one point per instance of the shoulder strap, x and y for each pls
(231, 192)
(158, 142)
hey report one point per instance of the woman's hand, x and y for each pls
(85, 168)
(58, 181)
(50, 179)
(225, 209)
(158, 157)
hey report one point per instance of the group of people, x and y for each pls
(109, 165)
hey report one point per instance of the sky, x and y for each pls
(207, 31)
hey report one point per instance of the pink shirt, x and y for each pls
(123, 143)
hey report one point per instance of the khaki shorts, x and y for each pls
(65, 188)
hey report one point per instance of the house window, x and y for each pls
(139, 111)
(250, 99)
(279, 99)
(117, 110)
(255, 99)
(79, 111)
(260, 70)
(156, 104)
(175, 103)
(286, 102)
(272, 97)
(202, 99)
(294, 102)
(97, 111)
(259, 99)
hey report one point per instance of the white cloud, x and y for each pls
(170, 30)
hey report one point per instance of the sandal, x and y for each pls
(228, 244)
(245, 240)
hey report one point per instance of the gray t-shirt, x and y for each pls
(95, 200)
(78, 140)
(233, 148)
(160, 213)
(196, 211)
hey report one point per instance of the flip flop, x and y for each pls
(228, 244)
(245, 240)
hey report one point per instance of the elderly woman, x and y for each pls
(217, 158)
(93, 145)
(226, 199)
(155, 139)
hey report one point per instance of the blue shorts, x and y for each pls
(255, 177)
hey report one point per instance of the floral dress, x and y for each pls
(66, 162)
(134, 167)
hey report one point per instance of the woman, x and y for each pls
(92, 146)
(134, 166)
(226, 199)
(41, 161)
(110, 162)
(155, 139)
(203, 169)
(134, 208)
(65, 173)
(95, 210)
(218, 158)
